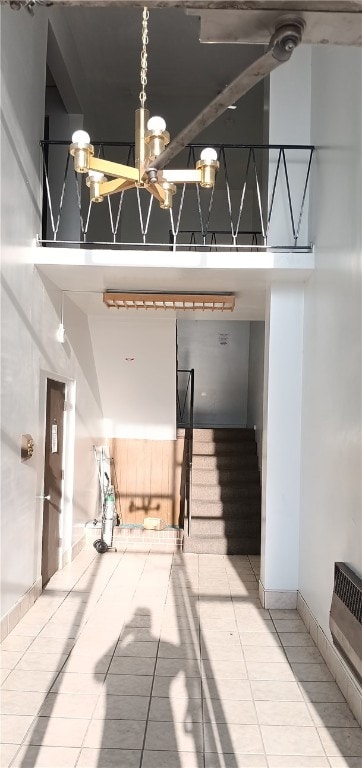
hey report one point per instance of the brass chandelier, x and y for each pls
(151, 138)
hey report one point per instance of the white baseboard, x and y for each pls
(283, 599)
(342, 674)
(18, 611)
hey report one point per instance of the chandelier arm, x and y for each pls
(115, 185)
(188, 176)
(285, 39)
(157, 191)
(113, 169)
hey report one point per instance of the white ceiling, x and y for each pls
(247, 275)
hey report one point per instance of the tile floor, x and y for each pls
(168, 661)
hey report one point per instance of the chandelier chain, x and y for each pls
(143, 73)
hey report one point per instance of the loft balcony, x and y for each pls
(260, 202)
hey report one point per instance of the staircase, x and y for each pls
(226, 500)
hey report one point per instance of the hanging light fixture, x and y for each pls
(151, 138)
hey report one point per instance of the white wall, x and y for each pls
(139, 393)
(256, 382)
(290, 94)
(281, 442)
(218, 350)
(331, 438)
(30, 317)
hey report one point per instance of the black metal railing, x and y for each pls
(260, 201)
(185, 420)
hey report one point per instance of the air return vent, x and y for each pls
(345, 619)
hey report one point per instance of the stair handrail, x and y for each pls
(189, 431)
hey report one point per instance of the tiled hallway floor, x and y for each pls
(168, 661)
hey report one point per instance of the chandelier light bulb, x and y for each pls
(96, 175)
(157, 124)
(81, 138)
(208, 154)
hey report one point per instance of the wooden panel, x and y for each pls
(148, 477)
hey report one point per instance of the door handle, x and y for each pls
(45, 498)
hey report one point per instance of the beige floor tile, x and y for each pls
(87, 664)
(291, 740)
(46, 757)
(285, 614)
(71, 682)
(9, 659)
(264, 690)
(109, 758)
(41, 662)
(268, 653)
(137, 634)
(228, 652)
(75, 705)
(232, 690)
(216, 669)
(259, 639)
(219, 637)
(137, 648)
(296, 639)
(344, 762)
(283, 713)
(4, 673)
(57, 732)
(321, 692)
(297, 761)
(115, 734)
(110, 707)
(59, 630)
(14, 728)
(128, 685)
(332, 715)
(51, 645)
(177, 687)
(225, 711)
(306, 655)
(289, 625)
(174, 737)
(232, 738)
(128, 665)
(312, 672)
(269, 671)
(213, 760)
(218, 624)
(342, 741)
(7, 752)
(14, 642)
(168, 759)
(254, 623)
(174, 651)
(20, 680)
(21, 702)
(175, 710)
(171, 667)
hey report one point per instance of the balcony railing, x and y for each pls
(260, 201)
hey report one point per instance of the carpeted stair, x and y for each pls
(226, 502)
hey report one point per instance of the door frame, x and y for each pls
(66, 507)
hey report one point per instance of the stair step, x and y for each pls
(226, 509)
(214, 545)
(227, 461)
(221, 448)
(226, 528)
(215, 493)
(223, 434)
(224, 477)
